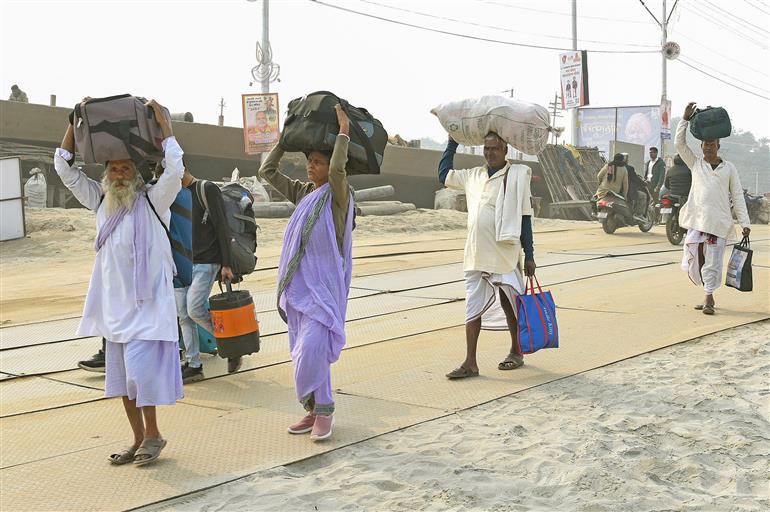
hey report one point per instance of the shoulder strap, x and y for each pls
(200, 190)
(168, 234)
(371, 157)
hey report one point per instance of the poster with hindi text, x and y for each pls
(261, 128)
(574, 79)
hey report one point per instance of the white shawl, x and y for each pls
(510, 205)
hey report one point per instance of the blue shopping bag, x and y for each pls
(536, 315)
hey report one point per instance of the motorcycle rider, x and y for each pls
(678, 179)
(613, 177)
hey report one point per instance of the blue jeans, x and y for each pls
(191, 309)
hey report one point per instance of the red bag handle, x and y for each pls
(531, 281)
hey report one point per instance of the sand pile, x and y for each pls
(683, 428)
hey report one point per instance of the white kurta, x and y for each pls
(708, 206)
(111, 310)
(482, 250)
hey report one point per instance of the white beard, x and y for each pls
(120, 197)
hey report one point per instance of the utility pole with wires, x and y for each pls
(509, 91)
(666, 53)
(555, 113)
(573, 115)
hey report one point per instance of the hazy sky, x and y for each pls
(188, 54)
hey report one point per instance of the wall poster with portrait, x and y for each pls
(261, 128)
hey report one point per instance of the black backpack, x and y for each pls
(237, 201)
(311, 124)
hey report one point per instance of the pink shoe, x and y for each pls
(304, 425)
(322, 428)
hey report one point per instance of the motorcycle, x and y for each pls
(614, 211)
(669, 209)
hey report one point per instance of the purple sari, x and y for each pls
(313, 284)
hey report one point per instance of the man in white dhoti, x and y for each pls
(499, 226)
(130, 300)
(706, 214)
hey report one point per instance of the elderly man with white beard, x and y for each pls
(130, 300)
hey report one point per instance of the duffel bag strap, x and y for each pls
(371, 155)
(122, 131)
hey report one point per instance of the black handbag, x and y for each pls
(710, 123)
(739, 267)
(311, 124)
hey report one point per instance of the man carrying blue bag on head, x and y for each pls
(499, 227)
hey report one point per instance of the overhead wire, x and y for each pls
(716, 70)
(716, 52)
(532, 9)
(735, 31)
(760, 30)
(755, 6)
(721, 80)
(467, 36)
(504, 29)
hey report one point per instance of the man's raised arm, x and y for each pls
(680, 140)
(85, 190)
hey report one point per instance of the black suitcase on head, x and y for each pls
(311, 124)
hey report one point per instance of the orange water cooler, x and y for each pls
(235, 323)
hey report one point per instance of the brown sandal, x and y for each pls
(511, 362)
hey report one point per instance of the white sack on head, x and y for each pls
(523, 125)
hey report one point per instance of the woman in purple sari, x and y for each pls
(314, 274)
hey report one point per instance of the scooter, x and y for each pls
(614, 211)
(669, 209)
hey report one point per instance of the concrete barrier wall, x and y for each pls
(213, 151)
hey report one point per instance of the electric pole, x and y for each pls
(573, 111)
(266, 40)
(663, 75)
(509, 91)
(555, 113)
(663, 24)
(222, 106)
(266, 70)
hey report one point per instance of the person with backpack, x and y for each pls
(211, 263)
(314, 274)
(130, 296)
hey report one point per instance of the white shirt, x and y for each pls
(482, 250)
(650, 165)
(708, 206)
(111, 310)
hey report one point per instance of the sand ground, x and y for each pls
(684, 428)
(58, 251)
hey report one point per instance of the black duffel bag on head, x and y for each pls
(710, 123)
(311, 124)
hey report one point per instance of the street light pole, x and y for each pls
(573, 111)
(663, 92)
(266, 40)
